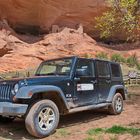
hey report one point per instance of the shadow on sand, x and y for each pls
(16, 130)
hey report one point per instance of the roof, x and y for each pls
(96, 59)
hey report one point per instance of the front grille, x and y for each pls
(5, 91)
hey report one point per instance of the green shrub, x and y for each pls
(102, 55)
(95, 131)
(116, 129)
(86, 55)
(138, 66)
(132, 60)
(89, 138)
(122, 130)
(118, 58)
(123, 17)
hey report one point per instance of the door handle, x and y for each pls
(76, 79)
(108, 81)
(94, 82)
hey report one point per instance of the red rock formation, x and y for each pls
(20, 52)
(16, 54)
(45, 13)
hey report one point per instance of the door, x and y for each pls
(116, 74)
(85, 83)
(104, 79)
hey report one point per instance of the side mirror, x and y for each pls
(81, 72)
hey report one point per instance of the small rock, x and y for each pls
(80, 30)
(55, 29)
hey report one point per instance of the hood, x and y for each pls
(37, 80)
(14, 80)
(45, 80)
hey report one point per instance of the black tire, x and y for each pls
(33, 117)
(6, 119)
(115, 108)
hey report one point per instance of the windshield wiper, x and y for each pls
(56, 74)
(46, 74)
(51, 74)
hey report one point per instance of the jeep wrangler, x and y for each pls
(59, 87)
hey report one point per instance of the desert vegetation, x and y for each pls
(113, 131)
(122, 18)
(131, 61)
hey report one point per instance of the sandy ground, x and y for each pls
(75, 126)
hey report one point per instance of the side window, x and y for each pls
(103, 69)
(85, 68)
(115, 70)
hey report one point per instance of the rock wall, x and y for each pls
(42, 14)
(20, 52)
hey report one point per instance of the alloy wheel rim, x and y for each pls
(119, 104)
(46, 118)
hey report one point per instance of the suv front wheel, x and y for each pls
(42, 119)
(117, 105)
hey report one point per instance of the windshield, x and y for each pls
(55, 67)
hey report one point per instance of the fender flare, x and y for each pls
(113, 90)
(24, 92)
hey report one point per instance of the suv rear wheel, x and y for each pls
(117, 105)
(42, 119)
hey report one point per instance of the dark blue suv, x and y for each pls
(62, 86)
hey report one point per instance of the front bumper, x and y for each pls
(10, 109)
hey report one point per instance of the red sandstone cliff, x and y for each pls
(45, 13)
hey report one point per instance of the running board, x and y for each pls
(90, 107)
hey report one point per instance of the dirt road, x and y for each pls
(75, 126)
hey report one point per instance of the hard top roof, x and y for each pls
(77, 57)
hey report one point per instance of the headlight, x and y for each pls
(16, 88)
